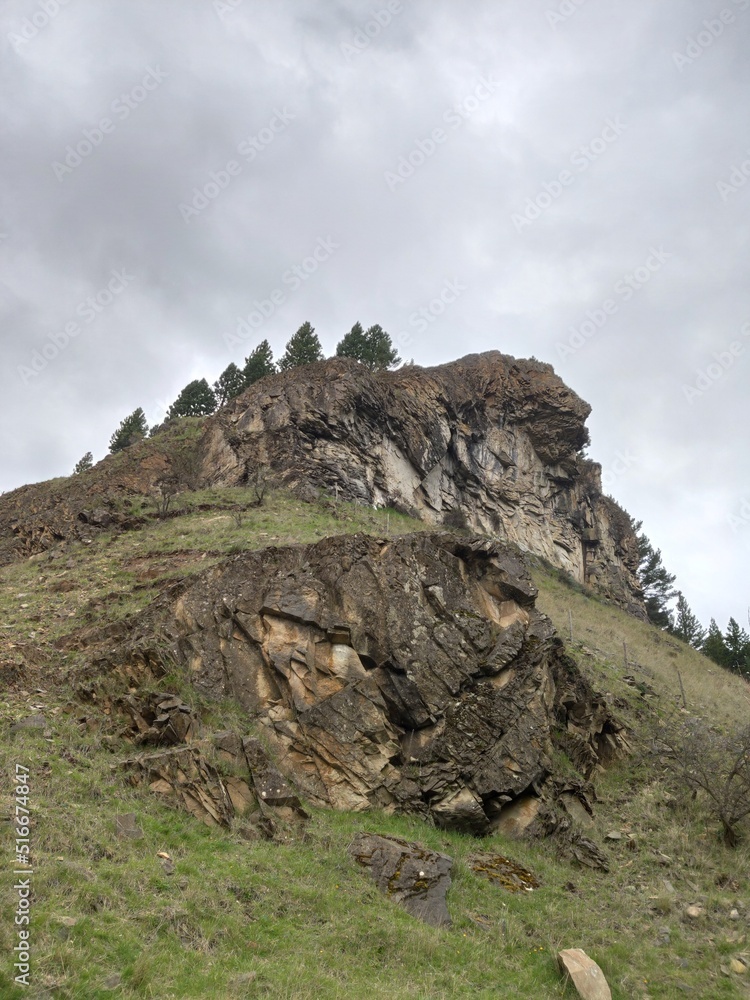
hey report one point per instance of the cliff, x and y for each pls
(489, 441)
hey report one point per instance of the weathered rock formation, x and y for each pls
(491, 439)
(412, 674)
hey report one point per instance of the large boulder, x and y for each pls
(410, 674)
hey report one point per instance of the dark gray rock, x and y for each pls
(411, 875)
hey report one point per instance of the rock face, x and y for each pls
(489, 439)
(411, 674)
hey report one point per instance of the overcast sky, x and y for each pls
(555, 178)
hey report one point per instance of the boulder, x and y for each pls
(587, 977)
(411, 875)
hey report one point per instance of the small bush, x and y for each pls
(711, 762)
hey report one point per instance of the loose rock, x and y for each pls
(409, 874)
(587, 977)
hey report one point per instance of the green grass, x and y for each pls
(301, 920)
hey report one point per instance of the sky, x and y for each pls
(560, 179)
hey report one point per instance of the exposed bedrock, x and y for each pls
(411, 675)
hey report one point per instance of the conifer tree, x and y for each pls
(303, 349)
(686, 625)
(737, 642)
(84, 464)
(374, 349)
(259, 364)
(197, 399)
(714, 646)
(353, 344)
(230, 383)
(655, 581)
(133, 428)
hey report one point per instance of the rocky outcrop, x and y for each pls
(412, 674)
(489, 440)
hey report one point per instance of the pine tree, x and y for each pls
(197, 399)
(714, 646)
(353, 344)
(373, 349)
(737, 642)
(655, 581)
(84, 464)
(686, 626)
(133, 428)
(230, 383)
(259, 364)
(303, 349)
(380, 350)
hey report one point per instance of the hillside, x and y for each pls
(229, 913)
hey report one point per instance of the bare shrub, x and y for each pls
(716, 764)
(258, 485)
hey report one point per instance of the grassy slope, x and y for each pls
(241, 919)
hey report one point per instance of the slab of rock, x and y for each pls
(587, 977)
(413, 876)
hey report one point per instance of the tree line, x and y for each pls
(730, 649)
(372, 347)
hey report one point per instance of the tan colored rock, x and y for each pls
(695, 912)
(516, 819)
(738, 967)
(586, 975)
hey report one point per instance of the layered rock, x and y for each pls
(489, 440)
(410, 675)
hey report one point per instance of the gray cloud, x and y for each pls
(361, 97)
